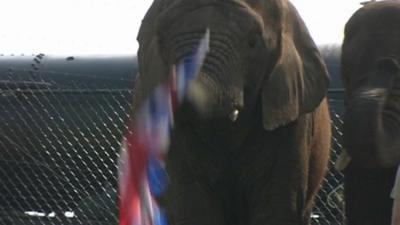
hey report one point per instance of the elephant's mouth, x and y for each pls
(212, 100)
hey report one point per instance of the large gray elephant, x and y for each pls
(371, 75)
(264, 165)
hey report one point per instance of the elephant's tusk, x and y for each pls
(342, 161)
(234, 115)
(198, 97)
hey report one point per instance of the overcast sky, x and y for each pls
(110, 26)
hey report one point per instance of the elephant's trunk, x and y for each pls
(372, 123)
(218, 89)
(210, 101)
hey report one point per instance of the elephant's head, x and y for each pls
(260, 52)
(371, 74)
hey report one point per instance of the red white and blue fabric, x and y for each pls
(142, 174)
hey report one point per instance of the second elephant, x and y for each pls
(371, 75)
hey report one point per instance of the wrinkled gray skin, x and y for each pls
(370, 70)
(266, 165)
(371, 74)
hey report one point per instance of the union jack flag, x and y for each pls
(142, 172)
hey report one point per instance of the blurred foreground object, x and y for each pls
(142, 173)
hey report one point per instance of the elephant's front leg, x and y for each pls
(188, 200)
(187, 203)
(277, 184)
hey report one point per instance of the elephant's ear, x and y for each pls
(152, 68)
(388, 64)
(299, 80)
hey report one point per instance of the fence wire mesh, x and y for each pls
(59, 149)
(329, 206)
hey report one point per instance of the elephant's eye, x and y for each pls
(253, 41)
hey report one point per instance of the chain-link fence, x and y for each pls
(329, 207)
(59, 140)
(59, 146)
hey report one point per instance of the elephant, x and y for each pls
(371, 76)
(265, 164)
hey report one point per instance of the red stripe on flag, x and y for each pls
(130, 204)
